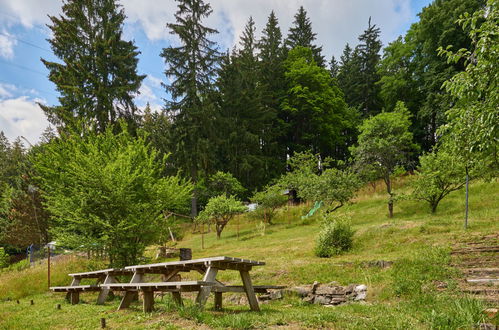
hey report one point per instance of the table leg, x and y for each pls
(74, 282)
(130, 295)
(75, 297)
(204, 292)
(148, 301)
(248, 288)
(177, 298)
(218, 301)
(105, 292)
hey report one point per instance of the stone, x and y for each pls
(349, 289)
(276, 294)
(360, 288)
(302, 291)
(360, 296)
(337, 301)
(330, 290)
(322, 300)
(309, 299)
(264, 297)
(315, 286)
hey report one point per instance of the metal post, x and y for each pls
(466, 206)
(48, 266)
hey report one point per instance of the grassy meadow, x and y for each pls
(403, 296)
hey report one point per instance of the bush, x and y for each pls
(334, 238)
(4, 258)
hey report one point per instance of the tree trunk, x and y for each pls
(390, 200)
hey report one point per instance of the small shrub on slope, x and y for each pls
(335, 237)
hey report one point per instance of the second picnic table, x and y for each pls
(209, 267)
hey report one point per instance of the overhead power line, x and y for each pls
(25, 42)
(22, 67)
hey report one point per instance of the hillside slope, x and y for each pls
(419, 290)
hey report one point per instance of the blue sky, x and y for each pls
(23, 34)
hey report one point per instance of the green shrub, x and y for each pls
(4, 258)
(335, 237)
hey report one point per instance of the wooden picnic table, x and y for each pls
(104, 276)
(208, 267)
(106, 281)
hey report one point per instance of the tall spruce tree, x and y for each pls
(271, 58)
(97, 72)
(191, 68)
(334, 67)
(242, 119)
(358, 75)
(368, 51)
(348, 75)
(301, 34)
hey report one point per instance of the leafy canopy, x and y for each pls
(107, 190)
(220, 210)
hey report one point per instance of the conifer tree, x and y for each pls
(191, 68)
(301, 34)
(271, 58)
(334, 67)
(348, 75)
(96, 74)
(242, 119)
(368, 51)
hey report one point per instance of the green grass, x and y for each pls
(400, 297)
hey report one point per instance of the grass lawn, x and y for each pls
(402, 296)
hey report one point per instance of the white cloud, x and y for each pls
(28, 12)
(336, 22)
(6, 90)
(22, 117)
(7, 43)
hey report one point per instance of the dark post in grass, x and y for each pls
(102, 322)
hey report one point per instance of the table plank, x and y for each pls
(196, 262)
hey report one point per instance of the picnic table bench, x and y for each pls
(208, 267)
(104, 276)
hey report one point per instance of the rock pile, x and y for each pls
(331, 294)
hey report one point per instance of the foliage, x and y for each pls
(191, 69)
(96, 74)
(4, 258)
(439, 174)
(335, 237)
(473, 119)
(314, 181)
(106, 189)
(220, 210)
(317, 115)
(413, 72)
(245, 125)
(301, 35)
(271, 77)
(358, 75)
(334, 187)
(386, 143)
(23, 220)
(270, 199)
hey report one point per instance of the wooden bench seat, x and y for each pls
(185, 286)
(75, 288)
(240, 288)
